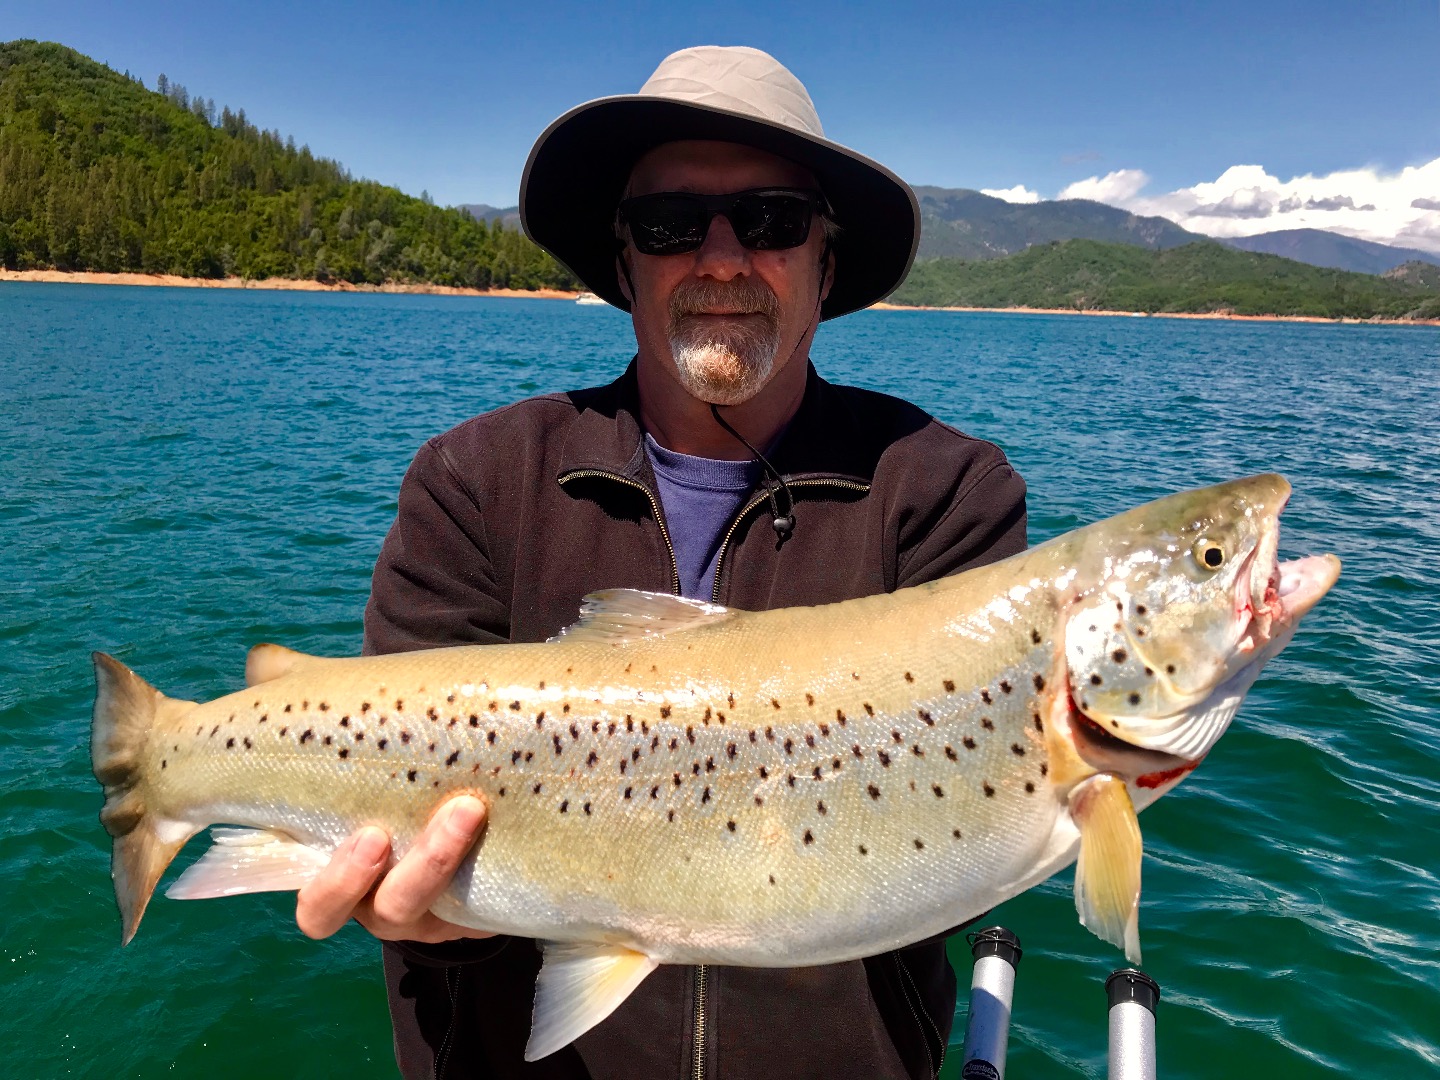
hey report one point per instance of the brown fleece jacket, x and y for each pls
(505, 522)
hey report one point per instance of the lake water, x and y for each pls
(186, 472)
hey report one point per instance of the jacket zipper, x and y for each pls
(761, 499)
(702, 979)
(654, 507)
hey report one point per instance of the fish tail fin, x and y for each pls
(126, 709)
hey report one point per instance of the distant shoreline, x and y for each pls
(90, 277)
(883, 306)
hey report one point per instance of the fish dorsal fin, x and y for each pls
(617, 616)
(580, 985)
(1107, 876)
(266, 662)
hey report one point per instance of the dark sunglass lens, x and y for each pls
(666, 224)
(771, 222)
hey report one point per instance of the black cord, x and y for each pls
(783, 524)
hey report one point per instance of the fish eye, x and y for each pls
(1208, 553)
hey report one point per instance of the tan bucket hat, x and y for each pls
(579, 165)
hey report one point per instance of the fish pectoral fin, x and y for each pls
(617, 616)
(248, 861)
(580, 985)
(1107, 876)
(265, 662)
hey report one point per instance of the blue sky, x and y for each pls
(448, 97)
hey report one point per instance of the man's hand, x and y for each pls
(399, 907)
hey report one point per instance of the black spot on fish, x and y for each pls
(938, 790)
(594, 757)
(720, 716)
(1118, 656)
(989, 791)
(565, 806)
(540, 718)
(857, 751)
(163, 763)
(1149, 674)
(501, 792)
(555, 742)
(1029, 787)
(655, 792)
(926, 717)
(454, 757)
(1039, 681)
(955, 833)
(623, 766)
(263, 718)
(214, 730)
(635, 754)
(1115, 723)
(809, 740)
(674, 743)
(432, 748)
(587, 809)
(909, 677)
(770, 734)
(919, 846)
(730, 700)
(730, 751)
(229, 744)
(949, 685)
(864, 850)
(772, 879)
(490, 738)
(1004, 687)
(840, 717)
(868, 710)
(451, 699)
(565, 708)
(917, 751)
(1017, 749)
(669, 815)
(1035, 637)
(324, 706)
(515, 706)
(884, 758)
(1134, 699)
(820, 808)
(287, 707)
(627, 792)
(815, 772)
(365, 706)
(759, 801)
(344, 721)
(730, 824)
(950, 753)
(985, 696)
(705, 796)
(1039, 724)
(1169, 669)
(895, 737)
(969, 742)
(515, 757)
(344, 753)
(1140, 609)
(410, 776)
(283, 730)
(872, 791)
(1095, 680)
(690, 734)
(809, 837)
(764, 773)
(399, 704)
(383, 743)
(987, 723)
(774, 703)
(574, 732)
(695, 768)
(359, 736)
(1044, 768)
(542, 684)
(676, 778)
(664, 712)
(610, 727)
(306, 735)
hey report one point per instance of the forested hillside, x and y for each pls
(1200, 277)
(99, 173)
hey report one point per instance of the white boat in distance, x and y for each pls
(588, 298)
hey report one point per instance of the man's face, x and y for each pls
(723, 320)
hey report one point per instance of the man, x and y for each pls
(719, 465)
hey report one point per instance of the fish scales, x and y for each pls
(829, 777)
(673, 782)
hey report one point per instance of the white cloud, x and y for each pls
(1391, 207)
(1114, 188)
(1017, 194)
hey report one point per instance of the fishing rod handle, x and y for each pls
(992, 987)
(1133, 996)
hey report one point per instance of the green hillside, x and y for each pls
(99, 173)
(1199, 277)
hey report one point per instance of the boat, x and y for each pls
(588, 298)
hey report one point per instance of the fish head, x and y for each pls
(1186, 601)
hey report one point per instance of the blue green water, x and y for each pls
(184, 473)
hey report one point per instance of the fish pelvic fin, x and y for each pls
(126, 710)
(1107, 876)
(580, 985)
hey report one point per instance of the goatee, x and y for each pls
(728, 361)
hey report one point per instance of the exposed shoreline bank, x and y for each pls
(95, 277)
(1228, 316)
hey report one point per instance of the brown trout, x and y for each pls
(673, 782)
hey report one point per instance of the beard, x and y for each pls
(729, 362)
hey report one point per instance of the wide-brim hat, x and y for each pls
(578, 168)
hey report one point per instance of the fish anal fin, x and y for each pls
(265, 662)
(618, 616)
(248, 861)
(1107, 876)
(580, 985)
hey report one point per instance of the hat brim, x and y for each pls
(579, 166)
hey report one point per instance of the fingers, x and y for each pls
(326, 903)
(405, 895)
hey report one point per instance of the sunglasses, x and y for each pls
(765, 219)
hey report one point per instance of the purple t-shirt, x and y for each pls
(700, 497)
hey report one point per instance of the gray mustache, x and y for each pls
(695, 297)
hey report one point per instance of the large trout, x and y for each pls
(672, 782)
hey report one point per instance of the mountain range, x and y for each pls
(958, 223)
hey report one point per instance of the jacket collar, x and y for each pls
(825, 439)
